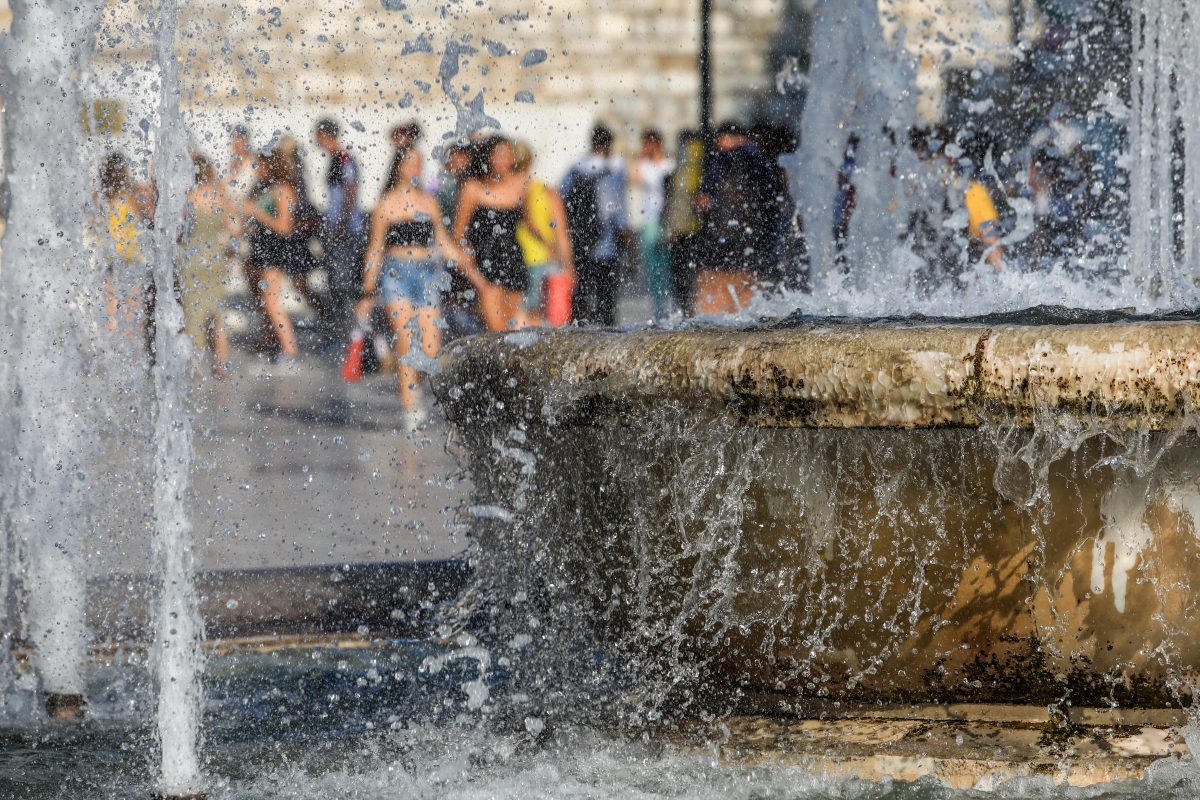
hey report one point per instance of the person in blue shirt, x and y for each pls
(343, 235)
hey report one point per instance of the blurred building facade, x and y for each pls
(540, 69)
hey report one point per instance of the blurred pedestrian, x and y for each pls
(343, 230)
(740, 206)
(845, 200)
(454, 174)
(241, 173)
(406, 248)
(272, 219)
(238, 183)
(650, 175)
(204, 273)
(681, 218)
(489, 212)
(306, 228)
(594, 195)
(953, 222)
(405, 137)
(1057, 184)
(126, 276)
(546, 246)
(785, 263)
(459, 306)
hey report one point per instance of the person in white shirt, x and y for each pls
(650, 175)
(593, 193)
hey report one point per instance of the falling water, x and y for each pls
(47, 297)
(178, 632)
(1165, 124)
(862, 85)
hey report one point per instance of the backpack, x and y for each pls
(582, 202)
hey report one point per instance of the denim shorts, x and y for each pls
(419, 283)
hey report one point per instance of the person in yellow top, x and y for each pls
(126, 283)
(983, 222)
(546, 247)
(120, 211)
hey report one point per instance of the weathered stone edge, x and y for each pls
(1138, 374)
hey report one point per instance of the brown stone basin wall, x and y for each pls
(741, 513)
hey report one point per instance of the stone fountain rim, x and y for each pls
(912, 373)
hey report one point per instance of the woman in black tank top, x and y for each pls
(489, 212)
(407, 247)
(271, 212)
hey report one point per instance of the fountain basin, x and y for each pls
(883, 512)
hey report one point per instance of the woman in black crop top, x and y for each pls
(406, 248)
(271, 216)
(489, 212)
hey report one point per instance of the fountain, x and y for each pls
(44, 492)
(981, 519)
(852, 542)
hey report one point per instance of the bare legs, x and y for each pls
(401, 314)
(501, 309)
(218, 341)
(272, 302)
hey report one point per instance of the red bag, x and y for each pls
(559, 288)
(352, 367)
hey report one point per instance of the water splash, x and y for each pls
(1163, 126)
(48, 292)
(178, 629)
(862, 86)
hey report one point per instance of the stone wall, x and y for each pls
(543, 70)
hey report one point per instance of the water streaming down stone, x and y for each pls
(743, 533)
(48, 297)
(178, 629)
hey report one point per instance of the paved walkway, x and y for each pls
(298, 469)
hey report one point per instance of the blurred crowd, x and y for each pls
(481, 242)
(965, 199)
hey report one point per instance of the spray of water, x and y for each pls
(862, 86)
(47, 292)
(178, 629)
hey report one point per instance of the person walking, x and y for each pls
(740, 207)
(271, 214)
(405, 248)
(594, 195)
(546, 246)
(343, 228)
(489, 212)
(239, 182)
(650, 176)
(241, 172)
(125, 275)
(681, 219)
(458, 305)
(455, 173)
(205, 273)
